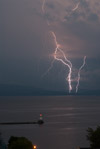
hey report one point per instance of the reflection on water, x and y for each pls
(66, 119)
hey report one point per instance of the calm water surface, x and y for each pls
(66, 119)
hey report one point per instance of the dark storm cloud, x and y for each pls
(48, 17)
(93, 17)
(84, 4)
(50, 5)
(88, 34)
(84, 25)
(84, 31)
(74, 16)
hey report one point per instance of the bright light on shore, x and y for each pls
(34, 147)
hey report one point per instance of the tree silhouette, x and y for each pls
(94, 137)
(19, 143)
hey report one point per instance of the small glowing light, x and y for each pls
(40, 114)
(34, 146)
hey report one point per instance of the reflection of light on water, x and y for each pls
(61, 123)
(69, 114)
(62, 108)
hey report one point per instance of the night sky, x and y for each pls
(27, 45)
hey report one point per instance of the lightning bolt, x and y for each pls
(64, 59)
(72, 11)
(49, 68)
(66, 62)
(78, 80)
(43, 5)
(76, 7)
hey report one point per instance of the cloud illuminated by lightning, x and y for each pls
(66, 62)
(64, 59)
(78, 80)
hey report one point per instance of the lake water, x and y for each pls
(66, 119)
